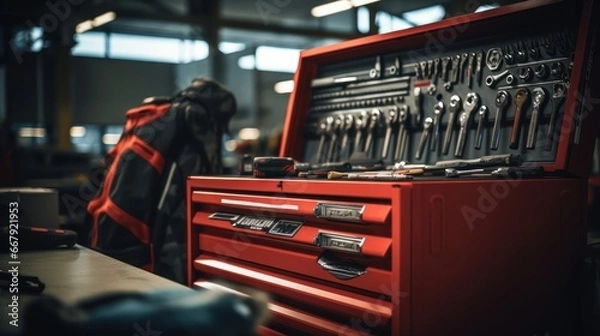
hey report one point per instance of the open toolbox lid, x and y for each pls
(542, 52)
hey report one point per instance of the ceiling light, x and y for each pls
(32, 132)
(77, 131)
(247, 62)
(249, 134)
(338, 6)
(231, 47)
(485, 8)
(282, 87)
(84, 26)
(111, 138)
(277, 59)
(104, 18)
(231, 145)
(425, 15)
(331, 8)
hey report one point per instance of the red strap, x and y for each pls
(145, 114)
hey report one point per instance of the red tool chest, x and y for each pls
(429, 254)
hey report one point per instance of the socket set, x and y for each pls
(467, 102)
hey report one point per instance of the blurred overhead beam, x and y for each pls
(238, 24)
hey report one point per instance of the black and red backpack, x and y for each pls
(138, 213)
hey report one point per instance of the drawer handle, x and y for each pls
(333, 241)
(341, 269)
(340, 212)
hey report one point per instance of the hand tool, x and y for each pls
(423, 66)
(333, 138)
(521, 54)
(346, 129)
(539, 97)
(492, 80)
(375, 72)
(509, 56)
(558, 96)
(493, 59)
(454, 68)
(453, 172)
(534, 51)
(479, 67)
(541, 71)
(483, 161)
(436, 70)
(418, 74)
(470, 70)
(396, 68)
(521, 99)
(463, 62)
(272, 166)
(438, 111)
(470, 104)
(402, 133)
(382, 175)
(430, 69)
(324, 129)
(502, 101)
(424, 137)
(372, 129)
(479, 133)
(453, 108)
(416, 113)
(307, 166)
(557, 69)
(445, 64)
(518, 172)
(361, 125)
(510, 79)
(390, 121)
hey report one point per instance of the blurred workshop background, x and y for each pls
(69, 69)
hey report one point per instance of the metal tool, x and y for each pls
(521, 99)
(479, 133)
(402, 133)
(453, 172)
(416, 113)
(324, 129)
(479, 67)
(430, 69)
(521, 54)
(470, 70)
(502, 101)
(470, 104)
(456, 67)
(333, 138)
(417, 71)
(518, 172)
(493, 59)
(423, 65)
(463, 62)
(526, 74)
(558, 97)
(453, 108)
(509, 56)
(346, 128)
(445, 64)
(438, 111)
(361, 125)
(436, 70)
(375, 72)
(492, 80)
(539, 96)
(424, 137)
(510, 79)
(541, 71)
(390, 121)
(373, 126)
(557, 69)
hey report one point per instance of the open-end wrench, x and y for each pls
(479, 134)
(346, 128)
(416, 113)
(402, 133)
(463, 63)
(333, 139)
(372, 127)
(492, 80)
(470, 69)
(436, 70)
(324, 129)
(539, 97)
(453, 108)
(424, 137)
(390, 120)
(521, 99)
(361, 125)
(479, 67)
(502, 101)
(438, 111)
(558, 97)
(445, 64)
(470, 104)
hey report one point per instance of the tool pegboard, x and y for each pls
(510, 81)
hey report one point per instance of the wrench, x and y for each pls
(479, 134)
(324, 129)
(558, 97)
(539, 97)
(492, 80)
(402, 133)
(502, 101)
(453, 108)
(470, 104)
(438, 111)
(390, 121)
(335, 130)
(347, 127)
(361, 125)
(416, 113)
(373, 126)
(521, 98)
(424, 137)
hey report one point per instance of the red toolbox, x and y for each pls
(475, 232)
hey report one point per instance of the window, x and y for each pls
(90, 44)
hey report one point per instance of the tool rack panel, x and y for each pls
(515, 80)
(412, 258)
